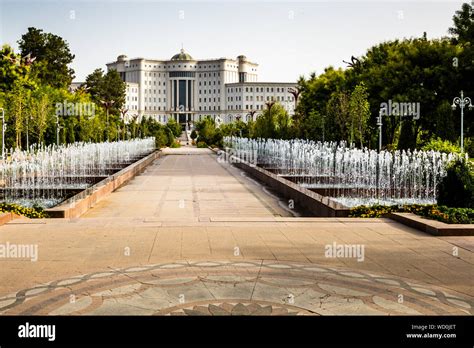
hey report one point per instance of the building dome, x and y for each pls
(122, 57)
(182, 56)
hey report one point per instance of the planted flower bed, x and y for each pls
(432, 211)
(34, 212)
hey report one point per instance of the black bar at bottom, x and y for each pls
(452, 331)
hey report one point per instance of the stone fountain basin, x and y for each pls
(65, 188)
(79, 203)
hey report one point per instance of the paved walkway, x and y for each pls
(195, 236)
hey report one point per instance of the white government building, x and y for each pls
(187, 89)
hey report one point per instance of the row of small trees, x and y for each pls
(40, 107)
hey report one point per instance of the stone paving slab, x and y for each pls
(192, 226)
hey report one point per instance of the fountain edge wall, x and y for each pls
(325, 207)
(78, 205)
(433, 227)
(313, 202)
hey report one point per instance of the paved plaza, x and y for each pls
(194, 236)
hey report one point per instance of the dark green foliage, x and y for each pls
(457, 188)
(407, 138)
(447, 124)
(175, 127)
(208, 133)
(274, 122)
(469, 146)
(434, 212)
(418, 70)
(52, 57)
(107, 90)
(149, 127)
(437, 144)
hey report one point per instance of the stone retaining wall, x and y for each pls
(80, 203)
(436, 228)
(310, 201)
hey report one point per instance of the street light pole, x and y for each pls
(57, 129)
(462, 102)
(379, 123)
(3, 133)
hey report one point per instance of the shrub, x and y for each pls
(35, 212)
(170, 137)
(161, 138)
(217, 139)
(175, 127)
(456, 189)
(175, 145)
(469, 146)
(201, 144)
(407, 139)
(194, 135)
(435, 212)
(441, 145)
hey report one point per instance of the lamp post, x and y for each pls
(3, 133)
(462, 102)
(379, 123)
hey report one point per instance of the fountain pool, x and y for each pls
(45, 176)
(349, 175)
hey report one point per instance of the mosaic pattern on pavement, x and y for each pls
(235, 288)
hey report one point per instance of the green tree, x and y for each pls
(359, 113)
(175, 127)
(312, 127)
(40, 110)
(274, 122)
(407, 139)
(463, 20)
(338, 109)
(13, 69)
(19, 99)
(52, 57)
(107, 88)
(463, 38)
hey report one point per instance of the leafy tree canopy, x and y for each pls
(50, 56)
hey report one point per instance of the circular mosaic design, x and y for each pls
(235, 288)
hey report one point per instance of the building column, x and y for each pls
(186, 95)
(177, 94)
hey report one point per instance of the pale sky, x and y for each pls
(286, 38)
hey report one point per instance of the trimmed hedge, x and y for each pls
(34, 212)
(456, 189)
(434, 212)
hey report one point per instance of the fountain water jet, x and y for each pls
(45, 176)
(349, 175)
